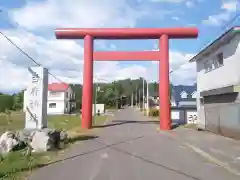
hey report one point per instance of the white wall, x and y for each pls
(57, 97)
(100, 107)
(60, 100)
(60, 107)
(226, 75)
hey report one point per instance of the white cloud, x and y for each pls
(228, 8)
(190, 4)
(169, 1)
(217, 19)
(175, 18)
(52, 53)
(64, 58)
(183, 71)
(12, 77)
(187, 74)
(92, 13)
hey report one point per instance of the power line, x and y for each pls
(26, 54)
(223, 28)
(19, 49)
(22, 51)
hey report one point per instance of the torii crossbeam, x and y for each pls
(163, 34)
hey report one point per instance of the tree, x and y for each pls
(110, 92)
(6, 102)
(18, 100)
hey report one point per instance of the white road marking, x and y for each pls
(98, 166)
(104, 156)
(213, 159)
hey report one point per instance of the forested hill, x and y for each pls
(108, 93)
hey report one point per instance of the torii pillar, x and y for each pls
(163, 34)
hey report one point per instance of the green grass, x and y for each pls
(16, 164)
(13, 122)
(190, 126)
(59, 122)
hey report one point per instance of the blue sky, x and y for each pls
(31, 24)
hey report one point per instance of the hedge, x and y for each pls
(154, 112)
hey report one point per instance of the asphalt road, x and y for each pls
(130, 148)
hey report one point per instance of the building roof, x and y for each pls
(217, 43)
(177, 90)
(58, 87)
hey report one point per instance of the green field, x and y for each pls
(15, 121)
(16, 164)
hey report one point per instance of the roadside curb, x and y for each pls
(200, 152)
(212, 159)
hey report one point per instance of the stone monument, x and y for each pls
(36, 99)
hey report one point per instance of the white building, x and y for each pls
(61, 99)
(218, 84)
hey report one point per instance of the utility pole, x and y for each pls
(95, 102)
(147, 100)
(143, 104)
(132, 100)
(136, 96)
(139, 98)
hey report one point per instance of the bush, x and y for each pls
(154, 112)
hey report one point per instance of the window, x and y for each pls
(52, 105)
(184, 95)
(194, 95)
(54, 93)
(208, 65)
(66, 94)
(219, 60)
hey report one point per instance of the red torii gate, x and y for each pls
(163, 34)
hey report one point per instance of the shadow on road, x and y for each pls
(81, 138)
(113, 147)
(5, 174)
(122, 122)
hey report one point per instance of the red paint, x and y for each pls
(58, 87)
(126, 33)
(164, 104)
(87, 83)
(127, 56)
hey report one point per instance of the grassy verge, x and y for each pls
(15, 165)
(13, 122)
(65, 122)
(190, 126)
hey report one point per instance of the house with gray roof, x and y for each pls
(181, 96)
(218, 85)
(184, 96)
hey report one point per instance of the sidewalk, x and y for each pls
(220, 150)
